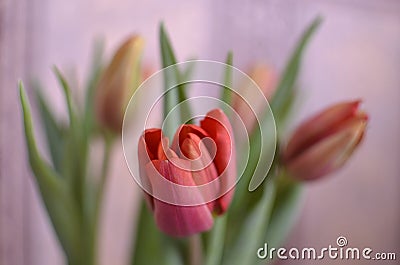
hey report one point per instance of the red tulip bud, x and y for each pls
(324, 143)
(199, 155)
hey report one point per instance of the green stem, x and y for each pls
(104, 171)
(216, 241)
(195, 250)
(93, 238)
(226, 95)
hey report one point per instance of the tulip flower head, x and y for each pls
(324, 143)
(117, 84)
(199, 167)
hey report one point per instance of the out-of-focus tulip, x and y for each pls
(203, 161)
(117, 84)
(266, 79)
(324, 143)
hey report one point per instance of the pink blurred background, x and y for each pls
(355, 54)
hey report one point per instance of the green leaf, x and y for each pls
(285, 88)
(241, 189)
(98, 189)
(252, 231)
(74, 166)
(67, 94)
(53, 189)
(151, 247)
(76, 148)
(215, 245)
(168, 56)
(285, 211)
(280, 104)
(55, 134)
(187, 73)
(252, 178)
(285, 111)
(171, 99)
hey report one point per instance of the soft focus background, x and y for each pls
(355, 54)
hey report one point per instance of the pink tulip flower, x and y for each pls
(192, 160)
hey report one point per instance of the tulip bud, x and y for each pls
(117, 84)
(199, 155)
(324, 143)
(266, 79)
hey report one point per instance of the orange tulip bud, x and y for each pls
(117, 84)
(324, 143)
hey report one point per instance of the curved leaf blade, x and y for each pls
(60, 207)
(285, 90)
(253, 229)
(54, 133)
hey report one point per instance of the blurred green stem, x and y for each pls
(215, 245)
(195, 250)
(108, 142)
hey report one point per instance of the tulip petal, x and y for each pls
(163, 149)
(177, 220)
(118, 82)
(218, 127)
(320, 126)
(182, 221)
(182, 133)
(152, 139)
(195, 150)
(147, 151)
(200, 159)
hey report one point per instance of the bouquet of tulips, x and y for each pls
(228, 180)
